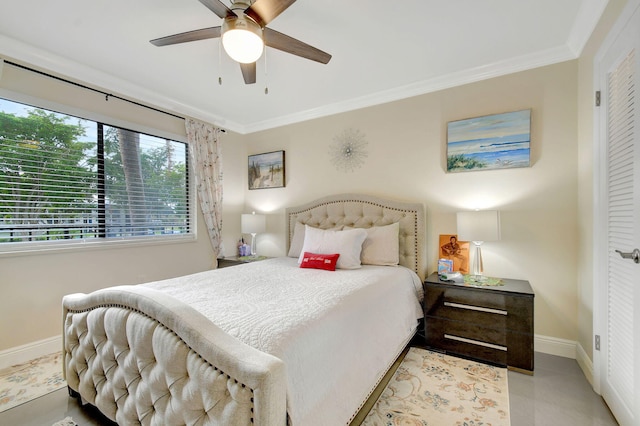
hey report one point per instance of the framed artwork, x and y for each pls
(499, 141)
(266, 170)
(457, 251)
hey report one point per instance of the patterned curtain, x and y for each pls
(204, 151)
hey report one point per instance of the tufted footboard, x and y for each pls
(143, 357)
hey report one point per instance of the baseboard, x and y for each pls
(555, 346)
(585, 363)
(566, 349)
(25, 353)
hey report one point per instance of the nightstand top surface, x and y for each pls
(510, 285)
(245, 259)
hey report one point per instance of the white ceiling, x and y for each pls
(382, 51)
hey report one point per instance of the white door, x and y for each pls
(617, 275)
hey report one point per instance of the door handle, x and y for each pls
(634, 255)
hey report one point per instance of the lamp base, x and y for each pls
(254, 253)
(477, 267)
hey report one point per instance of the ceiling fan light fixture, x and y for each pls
(242, 39)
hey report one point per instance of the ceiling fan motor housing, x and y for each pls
(240, 6)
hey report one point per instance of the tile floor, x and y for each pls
(557, 394)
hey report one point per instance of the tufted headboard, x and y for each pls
(365, 211)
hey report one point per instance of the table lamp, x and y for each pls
(478, 226)
(253, 224)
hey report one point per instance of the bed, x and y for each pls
(267, 343)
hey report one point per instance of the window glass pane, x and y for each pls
(47, 175)
(146, 184)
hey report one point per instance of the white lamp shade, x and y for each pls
(481, 225)
(242, 39)
(253, 223)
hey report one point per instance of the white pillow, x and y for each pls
(295, 247)
(346, 243)
(382, 246)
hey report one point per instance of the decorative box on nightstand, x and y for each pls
(238, 260)
(493, 324)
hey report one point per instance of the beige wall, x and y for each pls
(406, 161)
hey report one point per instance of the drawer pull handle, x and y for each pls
(475, 308)
(475, 342)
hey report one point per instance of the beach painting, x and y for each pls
(266, 170)
(499, 141)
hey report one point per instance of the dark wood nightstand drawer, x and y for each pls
(491, 345)
(439, 327)
(494, 310)
(440, 335)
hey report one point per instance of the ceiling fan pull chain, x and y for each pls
(220, 62)
(266, 80)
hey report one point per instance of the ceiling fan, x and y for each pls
(244, 26)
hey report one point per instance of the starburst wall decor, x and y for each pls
(349, 150)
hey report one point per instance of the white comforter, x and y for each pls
(337, 332)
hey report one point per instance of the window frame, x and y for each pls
(26, 247)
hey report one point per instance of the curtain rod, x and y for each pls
(107, 95)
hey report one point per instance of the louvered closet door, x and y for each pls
(620, 360)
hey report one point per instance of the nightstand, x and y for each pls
(493, 324)
(238, 260)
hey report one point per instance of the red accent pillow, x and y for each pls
(319, 261)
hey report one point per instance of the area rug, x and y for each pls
(432, 389)
(24, 382)
(67, 421)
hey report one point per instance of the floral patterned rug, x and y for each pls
(67, 421)
(24, 382)
(432, 389)
(428, 389)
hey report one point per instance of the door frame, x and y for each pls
(600, 252)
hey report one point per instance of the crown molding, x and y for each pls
(586, 20)
(497, 69)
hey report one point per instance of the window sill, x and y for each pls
(21, 249)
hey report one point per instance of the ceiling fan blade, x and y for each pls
(218, 8)
(265, 11)
(195, 35)
(249, 72)
(288, 44)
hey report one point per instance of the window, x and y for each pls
(67, 178)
